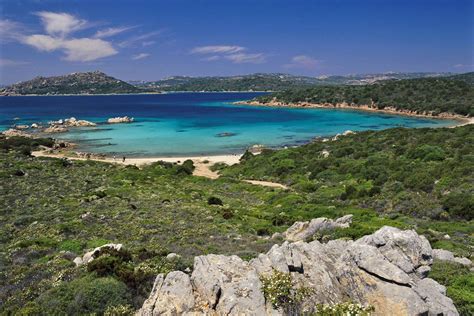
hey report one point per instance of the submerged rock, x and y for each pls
(386, 270)
(226, 134)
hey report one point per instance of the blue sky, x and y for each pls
(150, 40)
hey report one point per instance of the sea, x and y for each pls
(184, 124)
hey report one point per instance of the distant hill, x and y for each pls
(95, 82)
(467, 77)
(269, 82)
(452, 94)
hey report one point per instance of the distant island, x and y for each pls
(269, 81)
(94, 82)
(448, 96)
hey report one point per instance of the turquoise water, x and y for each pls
(192, 123)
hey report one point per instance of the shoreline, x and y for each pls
(124, 94)
(228, 159)
(463, 120)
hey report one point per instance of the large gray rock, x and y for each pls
(228, 285)
(445, 255)
(89, 256)
(304, 230)
(387, 270)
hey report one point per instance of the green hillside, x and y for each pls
(435, 95)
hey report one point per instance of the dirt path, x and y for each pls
(267, 184)
(202, 164)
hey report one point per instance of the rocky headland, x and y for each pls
(366, 107)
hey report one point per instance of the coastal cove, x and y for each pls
(193, 124)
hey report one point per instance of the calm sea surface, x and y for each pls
(191, 123)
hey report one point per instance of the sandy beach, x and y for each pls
(202, 163)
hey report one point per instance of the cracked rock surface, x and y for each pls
(387, 270)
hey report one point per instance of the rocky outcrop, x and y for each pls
(304, 230)
(124, 119)
(61, 126)
(382, 270)
(445, 255)
(14, 132)
(89, 256)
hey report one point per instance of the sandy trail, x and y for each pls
(202, 164)
(267, 184)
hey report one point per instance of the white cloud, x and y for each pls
(140, 56)
(60, 23)
(87, 49)
(243, 58)
(9, 62)
(217, 49)
(58, 26)
(43, 42)
(80, 49)
(303, 61)
(112, 31)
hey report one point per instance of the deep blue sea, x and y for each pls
(191, 123)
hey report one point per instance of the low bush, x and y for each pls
(214, 201)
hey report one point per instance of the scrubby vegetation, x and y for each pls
(417, 172)
(54, 210)
(434, 95)
(460, 284)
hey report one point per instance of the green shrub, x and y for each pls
(279, 290)
(87, 295)
(459, 282)
(119, 310)
(71, 245)
(214, 201)
(344, 309)
(186, 168)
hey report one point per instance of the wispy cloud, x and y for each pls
(60, 24)
(243, 58)
(4, 62)
(10, 30)
(303, 61)
(140, 56)
(138, 38)
(234, 53)
(216, 49)
(463, 66)
(148, 43)
(112, 31)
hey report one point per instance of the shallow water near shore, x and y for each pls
(181, 124)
